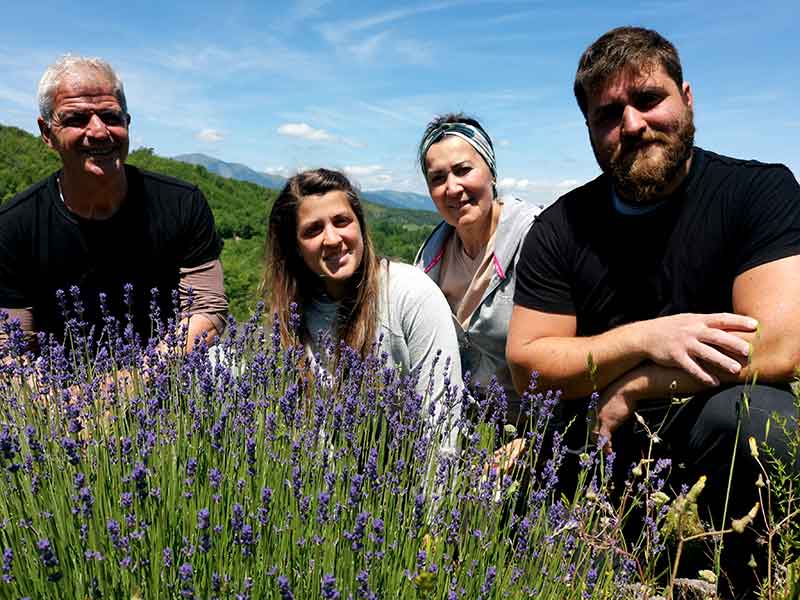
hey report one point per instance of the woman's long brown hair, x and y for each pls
(287, 279)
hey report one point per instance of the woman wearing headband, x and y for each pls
(320, 257)
(472, 253)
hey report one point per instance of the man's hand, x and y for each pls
(614, 407)
(698, 343)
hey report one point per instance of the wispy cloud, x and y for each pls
(307, 132)
(338, 31)
(209, 135)
(363, 170)
(514, 184)
(345, 35)
(369, 176)
(387, 112)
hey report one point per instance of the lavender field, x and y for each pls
(133, 470)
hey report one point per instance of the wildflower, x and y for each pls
(739, 525)
(284, 589)
(378, 530)
(329, 591)
(753, 446)
(8, 563)
(707, 576)
(246, 539)
(166, 557)
(214, 478)
(185, 573)
(46, 553)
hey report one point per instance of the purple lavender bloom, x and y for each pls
(186, 573)
(215, 478)
(355, 495)
(284, 588)
(237, 518)
(323, 501)
(70, 446)
(250, 450)
(363, 591)
(522, 538)
(46, 553)
(246, 539)
(113, 528)
(191, 467)
(139, 476)
(488, 583)
(371, 468)
(357, 536)
(378, 529)
(8, 564)
(203, 516)
(422, 558)
(454, 529)
(329, 591)
(166, 556)
(85, 501)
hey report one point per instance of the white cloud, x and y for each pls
(512, 183)
(503, 143)
(305, 131)
(279, 170)
(209, 135)
(363, 170)
(369, 176)
(367, 48)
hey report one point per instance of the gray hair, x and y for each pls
(67, 65)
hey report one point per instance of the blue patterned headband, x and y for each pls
(469, 133)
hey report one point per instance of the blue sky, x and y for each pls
(281, 86)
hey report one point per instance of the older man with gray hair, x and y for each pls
(102, 226)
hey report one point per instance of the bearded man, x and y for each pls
(98, 225)
(677, 271)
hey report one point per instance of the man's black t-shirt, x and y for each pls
(163, 224)
(585, 258)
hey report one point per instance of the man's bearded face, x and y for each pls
(642, 131)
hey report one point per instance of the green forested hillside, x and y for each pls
(240, 210)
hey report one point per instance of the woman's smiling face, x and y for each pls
(459, 182)
(330, 240)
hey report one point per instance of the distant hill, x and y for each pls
(241, 210)
(233, 170)
(400, 199)
(241, 172)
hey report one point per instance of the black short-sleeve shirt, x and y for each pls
(163, 224)
(585, 258)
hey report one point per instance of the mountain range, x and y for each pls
(390, 198)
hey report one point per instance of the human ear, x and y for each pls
(45, 132)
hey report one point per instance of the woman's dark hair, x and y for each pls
(287, 278)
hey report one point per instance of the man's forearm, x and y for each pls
(563, 362)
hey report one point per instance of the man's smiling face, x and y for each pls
(89, 128)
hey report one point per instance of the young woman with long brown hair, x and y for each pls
(320, 257)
